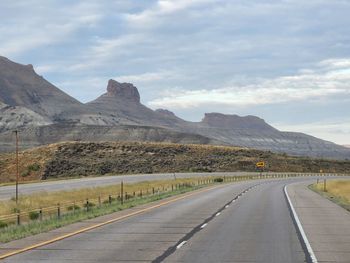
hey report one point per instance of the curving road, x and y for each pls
(210, 226)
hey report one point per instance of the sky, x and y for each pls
(285, 61)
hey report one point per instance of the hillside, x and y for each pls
(21, 86)
(89, 158)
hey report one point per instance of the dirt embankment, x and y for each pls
(84, 159)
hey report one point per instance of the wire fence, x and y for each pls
(124, 197)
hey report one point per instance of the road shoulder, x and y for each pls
(326, 224)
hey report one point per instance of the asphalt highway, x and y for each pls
(241, 222)
(6, 192)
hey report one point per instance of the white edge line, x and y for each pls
(204, 225)
(301, 229)
(181, 244)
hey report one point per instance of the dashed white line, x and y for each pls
(181, 244)
(204, 225)
(226, 206)
(218, 214)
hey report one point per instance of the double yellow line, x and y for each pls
(18, 251)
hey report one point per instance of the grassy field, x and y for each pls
(79, 196)
(337, 191)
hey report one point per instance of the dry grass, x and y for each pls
(36, 157)
(51, 199)
(337, 191)
(339, 188)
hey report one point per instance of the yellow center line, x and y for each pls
(18, 251)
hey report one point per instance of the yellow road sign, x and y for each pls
(260, 164)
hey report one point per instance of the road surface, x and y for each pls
(210, 226)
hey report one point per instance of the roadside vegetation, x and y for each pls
(337, 191)
(51, 199)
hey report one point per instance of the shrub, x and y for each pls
(34, 167)
(33, 215)
(107, 201)
(218, 180)
(16, 210)
(90, 204)
(25, 173)
(3, 224)
(73, 207)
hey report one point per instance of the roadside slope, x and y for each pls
(74, 159)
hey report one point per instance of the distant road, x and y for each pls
(6, 192)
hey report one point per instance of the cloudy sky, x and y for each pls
(286, 61)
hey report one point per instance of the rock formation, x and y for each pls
(45, 114)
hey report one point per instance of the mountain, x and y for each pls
(44, 114)
(21, 86)
(122, 101)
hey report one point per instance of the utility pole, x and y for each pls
(17, 166)
(122, 192)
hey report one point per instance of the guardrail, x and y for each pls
(87, 205)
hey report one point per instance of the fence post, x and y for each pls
(99, 200)
(87, 205)
(153, 190)
(41, 214)
(18, 218)
(58, 211)
(109, 199)
(73, 207)
(324, 185)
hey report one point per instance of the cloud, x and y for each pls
(148, 77)
(315, 85)
(40, 25)
(161, 8)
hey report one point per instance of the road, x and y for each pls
(210, 226)
(6, 192)
(327, 224)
